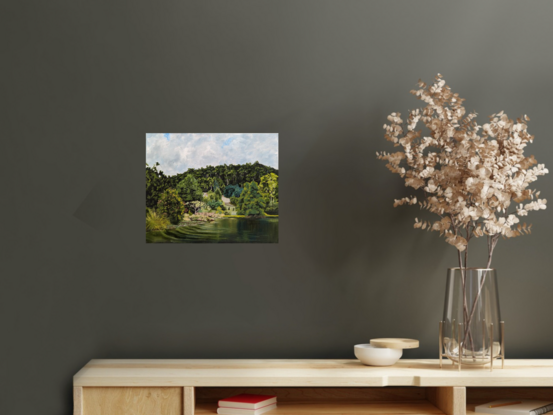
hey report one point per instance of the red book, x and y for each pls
(247, 401)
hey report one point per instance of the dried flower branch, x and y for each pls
(475, 178)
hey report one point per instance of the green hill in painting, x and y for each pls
(207, 177)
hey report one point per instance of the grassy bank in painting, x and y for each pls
(177, 206)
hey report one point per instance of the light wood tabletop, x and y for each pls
(307, 373)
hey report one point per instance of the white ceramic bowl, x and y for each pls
(376, 356)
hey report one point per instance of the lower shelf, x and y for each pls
(346, 400)
(333, 408)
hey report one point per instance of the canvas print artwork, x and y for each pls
(212, 188)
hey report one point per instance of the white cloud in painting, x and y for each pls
(176, 153)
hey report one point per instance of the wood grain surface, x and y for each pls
(77, 400)
(450, 400)
(317, 373)
(133, 401)
(189, 400)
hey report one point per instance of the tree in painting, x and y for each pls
(189, 191)
(268, 186)
(251, 203)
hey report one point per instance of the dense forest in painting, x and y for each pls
(198, 196)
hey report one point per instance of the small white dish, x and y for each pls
(376, 356)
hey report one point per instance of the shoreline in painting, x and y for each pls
(191, 222)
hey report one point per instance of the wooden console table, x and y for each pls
(323, 387)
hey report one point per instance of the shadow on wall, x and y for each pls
(358, 255)
(343, 202)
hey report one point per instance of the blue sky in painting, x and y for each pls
(177, 153)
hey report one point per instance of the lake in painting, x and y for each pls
(223, 230)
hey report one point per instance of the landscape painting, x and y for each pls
(212, 188)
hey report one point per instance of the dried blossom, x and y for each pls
(475, 178)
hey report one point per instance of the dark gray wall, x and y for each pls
(84, 81)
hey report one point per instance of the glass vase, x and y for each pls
(471, 332)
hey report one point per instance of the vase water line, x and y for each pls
(472, 332)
